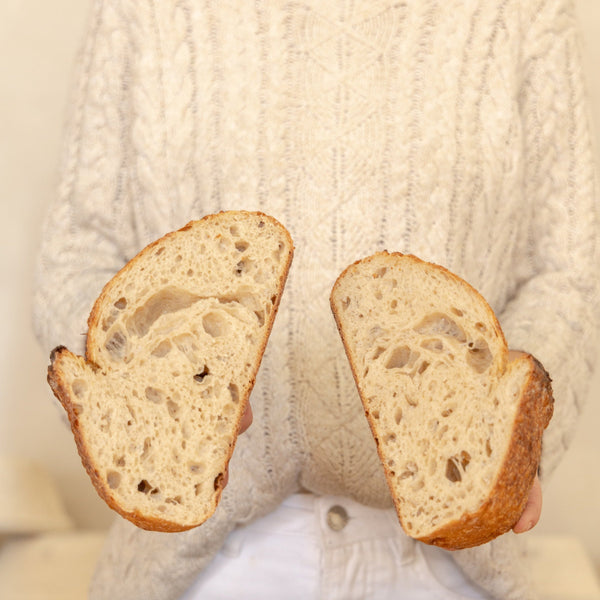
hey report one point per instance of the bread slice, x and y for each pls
(458, 425)
(174, 343)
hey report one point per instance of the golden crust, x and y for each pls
(62, 391)
(508, 497)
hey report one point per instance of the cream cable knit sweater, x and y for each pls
(452, 129)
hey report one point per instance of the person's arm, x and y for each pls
(89, 234)
(554, 312)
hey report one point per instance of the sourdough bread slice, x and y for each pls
(458, 425)
(174, 344)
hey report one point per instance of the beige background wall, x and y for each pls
(38, 42)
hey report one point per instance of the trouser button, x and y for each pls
(337, 517)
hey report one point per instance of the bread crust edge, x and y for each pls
(60, 388)
(506, 501)
(508, 497)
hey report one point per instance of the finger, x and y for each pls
(533, 509)
(247, 418)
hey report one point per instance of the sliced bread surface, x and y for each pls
(458, 423)
(174, 344)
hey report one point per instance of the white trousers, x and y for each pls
(329, 548)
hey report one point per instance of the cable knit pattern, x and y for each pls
(455, 130)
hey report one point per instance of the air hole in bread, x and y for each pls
(241, 246)
(110, 320)
(456, 466)
(488, 448)
(168, 300)
(190, 272)
(121, 303)
(377, 331)
(439, 323)
(234, 230)
(260, 315)
(215, 324)
(479, 356)
(79, 387)
(113, 478)
(119, 461)
(162, 349)
(457, 311)
(174, 500)
(147, 488)
(197, 489)
(452, 471)
(380, 272)
(410, 470)
(116, 345)
(218, 483)
(234, 391)
(241, 267)
(154, 395)
(418, 485)
(131, 412)
(465, 459)
(394, 304)
(398, 358)
(423, 367)
(412, 400)
(173, 408)
(186, 344)
(433, 345)
(398, 415)
(146, 448)
(448, 411)
(105, 422)
(378, 352)
(199, 377)
(197, 468)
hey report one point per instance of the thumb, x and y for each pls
(533, 509)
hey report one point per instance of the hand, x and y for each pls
(245, 422)
(246, 418)
(533, 509)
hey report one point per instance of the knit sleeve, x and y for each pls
(88, 233)
(554, 314)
